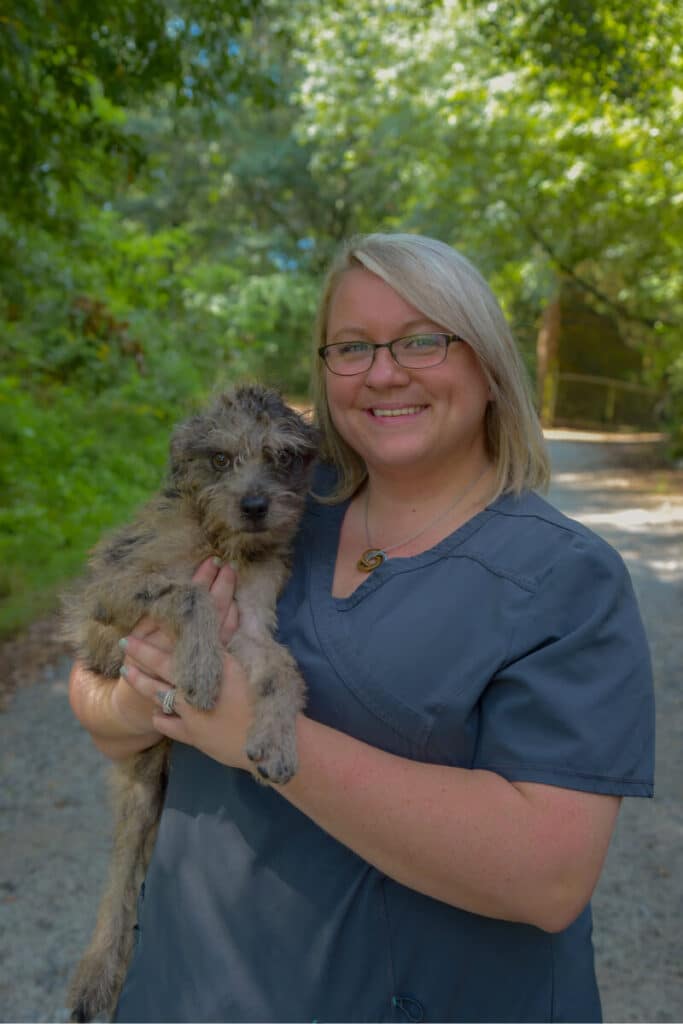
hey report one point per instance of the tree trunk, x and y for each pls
(547, 360)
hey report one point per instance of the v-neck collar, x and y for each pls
(327, 546)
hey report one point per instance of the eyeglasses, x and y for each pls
(414, 353)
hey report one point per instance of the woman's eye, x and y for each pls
(219, 460)
(354, 348)
(421, 342)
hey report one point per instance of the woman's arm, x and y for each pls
(517, 851)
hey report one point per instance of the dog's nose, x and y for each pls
(254, 506)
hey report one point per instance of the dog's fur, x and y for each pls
(239, 474)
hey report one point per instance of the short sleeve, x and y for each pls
(573, 704)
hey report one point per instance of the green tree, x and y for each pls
(177, 173)
(543, 137)
(69, 71)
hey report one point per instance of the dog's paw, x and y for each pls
(201, 697)
(272, 751)
(275, 768)
(81, 1013)
(199, 678)
(87, 1002)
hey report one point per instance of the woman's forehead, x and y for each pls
(364, 302)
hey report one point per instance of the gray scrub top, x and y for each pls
(515, 645)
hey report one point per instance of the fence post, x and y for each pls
(610, 403)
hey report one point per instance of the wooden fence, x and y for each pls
(582, 399)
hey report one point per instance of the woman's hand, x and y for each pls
(118, 719)
(148, 673)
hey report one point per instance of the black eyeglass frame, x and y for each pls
(450, 339)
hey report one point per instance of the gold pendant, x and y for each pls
(370, 559)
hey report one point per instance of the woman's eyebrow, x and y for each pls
(405, 329)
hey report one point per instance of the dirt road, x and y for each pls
(638, 907)
(54, 828)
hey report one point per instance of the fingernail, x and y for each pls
(217, 561)
(123, 642)
(124, 671)
(233, 566)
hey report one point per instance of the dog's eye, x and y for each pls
(282, 459)
(219, 460)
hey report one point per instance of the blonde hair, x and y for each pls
(444, 286)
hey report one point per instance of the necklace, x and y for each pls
(373, 557)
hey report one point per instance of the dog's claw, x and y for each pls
(201, 701)
(83, 1010)
(254, 753)
(200, 683)
(278, 773)
(272, 762)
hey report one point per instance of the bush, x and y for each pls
(106, 342)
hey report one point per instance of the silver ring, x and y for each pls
(168, 702)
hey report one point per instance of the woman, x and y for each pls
(479, 700)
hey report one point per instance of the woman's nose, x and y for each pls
(385, 370)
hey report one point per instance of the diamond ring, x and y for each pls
(168, 702)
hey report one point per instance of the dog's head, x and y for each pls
(246, 465)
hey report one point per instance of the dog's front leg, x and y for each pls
(277, 694)
(188, 610)
(277, 689)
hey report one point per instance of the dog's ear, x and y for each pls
(182, 442)
(273, 403)
(224, 401)
(260, 401)
(303, 434)
(311, 437)
(176, 461)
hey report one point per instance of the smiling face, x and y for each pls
(428, 420)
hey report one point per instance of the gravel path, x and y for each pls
(54, 825)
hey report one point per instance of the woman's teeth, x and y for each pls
(409, 410)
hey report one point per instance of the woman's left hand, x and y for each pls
(148, 664)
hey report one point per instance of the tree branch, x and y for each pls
(567, 269)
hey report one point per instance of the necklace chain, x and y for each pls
(373, 557)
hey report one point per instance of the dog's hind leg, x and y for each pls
(139, 791)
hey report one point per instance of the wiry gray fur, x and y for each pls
(238, 479)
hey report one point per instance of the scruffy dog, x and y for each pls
(239, 474)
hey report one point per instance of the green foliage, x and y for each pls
(69, 70)
(268, 329)
(89, 386)
(176, 174)
(69, 470)
(107, 340)
(541, 137)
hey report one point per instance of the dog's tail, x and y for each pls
(139, 788)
